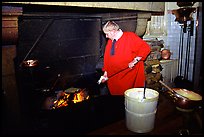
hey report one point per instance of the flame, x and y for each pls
(62, 101)
(78, 97)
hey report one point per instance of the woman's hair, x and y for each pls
(109, 26)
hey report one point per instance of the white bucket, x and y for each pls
(140, 113)
(140, 123)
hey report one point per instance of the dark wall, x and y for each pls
(69, 46)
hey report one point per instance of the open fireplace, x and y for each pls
(59, 57)
(58, 64)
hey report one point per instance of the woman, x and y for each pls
(124, 63)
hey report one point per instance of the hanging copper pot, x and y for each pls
(30, 63)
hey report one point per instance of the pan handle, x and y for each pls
(174, 92)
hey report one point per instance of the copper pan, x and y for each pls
(183, 98)
(30, 63)
(193, 101)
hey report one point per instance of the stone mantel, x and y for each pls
(139, 6)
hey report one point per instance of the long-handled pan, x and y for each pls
(184, 98)
(99, 81)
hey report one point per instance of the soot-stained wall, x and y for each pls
(65, 45)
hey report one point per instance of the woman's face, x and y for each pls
(110, 34)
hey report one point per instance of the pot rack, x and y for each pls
(185, 19)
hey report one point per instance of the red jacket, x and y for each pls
(127, 48)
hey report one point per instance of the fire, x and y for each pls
(78, 97)
(62, 101)
(64, 98)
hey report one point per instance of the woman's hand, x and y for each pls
(132, 63)
(103, 78)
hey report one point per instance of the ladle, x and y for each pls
(144, 90)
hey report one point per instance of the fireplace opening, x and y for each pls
(77, 109)
(60, 94)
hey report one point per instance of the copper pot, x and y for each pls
(165, 54)
(30, 63)
(191, 101)
(183, 98)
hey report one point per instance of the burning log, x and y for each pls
(65, 98)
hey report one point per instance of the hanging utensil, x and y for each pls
(30, 63)
(34, 45)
